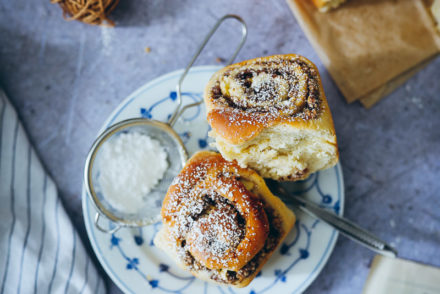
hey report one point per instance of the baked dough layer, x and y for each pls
(221, 215)
(271, 114)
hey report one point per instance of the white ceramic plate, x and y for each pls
(136, 266)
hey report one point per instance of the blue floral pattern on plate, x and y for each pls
(130, 257)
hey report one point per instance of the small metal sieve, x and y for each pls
(160, 131)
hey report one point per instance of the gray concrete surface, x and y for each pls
(65, 78)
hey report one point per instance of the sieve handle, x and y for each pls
(102, 229)
(178, 111)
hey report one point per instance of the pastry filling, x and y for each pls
(219, 227)
(215, 217)
(287, 88)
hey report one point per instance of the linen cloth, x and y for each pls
(40, 250)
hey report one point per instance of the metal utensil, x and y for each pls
(162, 132)
(343, 225)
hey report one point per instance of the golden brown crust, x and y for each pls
(236, 197)
(213, 181)
(325, 5)
(319, 3)
(238, 124)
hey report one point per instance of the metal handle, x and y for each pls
(102, 229)
(178, 112)
(343, 225)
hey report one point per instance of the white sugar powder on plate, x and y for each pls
(130, 165)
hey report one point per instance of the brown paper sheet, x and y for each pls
(366, 44)
(372, 98)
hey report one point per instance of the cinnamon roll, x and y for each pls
(271, 114)
(326, 5)
(220, 221)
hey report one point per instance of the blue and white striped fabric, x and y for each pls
(40, 251)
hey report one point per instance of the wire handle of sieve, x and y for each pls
(179, 110)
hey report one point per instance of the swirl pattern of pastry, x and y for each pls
(285, 88)
(220, 220)
(271, 114)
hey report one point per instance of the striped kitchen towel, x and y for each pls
(40, 251)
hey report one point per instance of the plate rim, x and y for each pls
(86, 201)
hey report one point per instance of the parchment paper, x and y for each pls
(395, 275)
(366, 44)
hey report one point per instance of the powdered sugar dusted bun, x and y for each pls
(271, 114)
(220, 221)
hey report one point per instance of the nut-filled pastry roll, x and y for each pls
(271, 114)
(220, 221)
